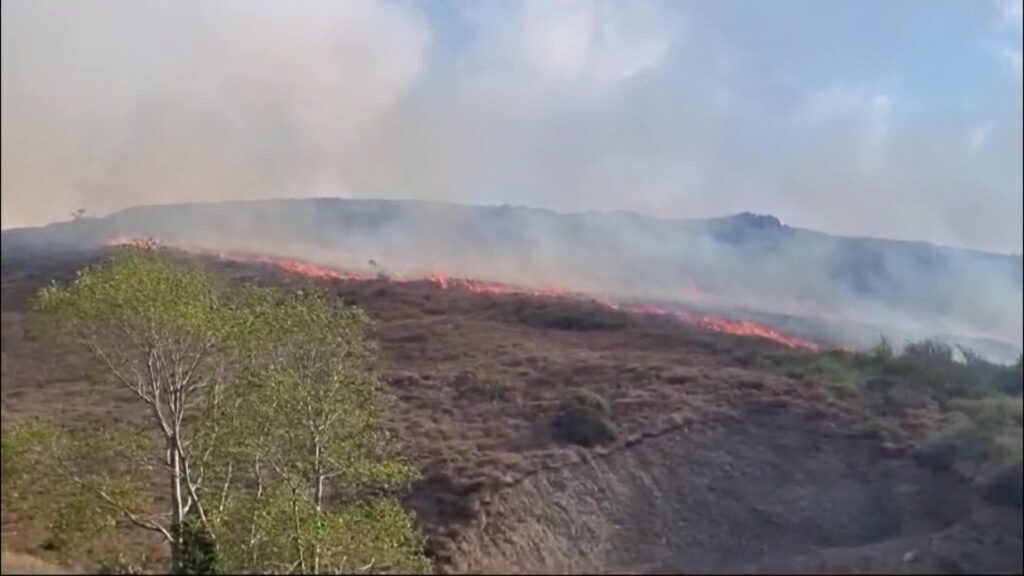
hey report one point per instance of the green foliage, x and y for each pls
(284, 424)
(974, 406)
(982, 436)
(927, 374)
(57, 475)
(584, 419)
(837, 369)
(198, 549)
(138, 293)
(397, 546)
(114, 461)
(975, 403)
(308, 407)
(21, 447)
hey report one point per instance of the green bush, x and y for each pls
(982, 438)
(927, 372)
(584, 419)
(198, 550)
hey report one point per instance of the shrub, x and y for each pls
(882, 352)
(198, 551)
(575, 318)
(927, 371)
(928, 352)
(1007, 485)
(982, 439)
(469, 386)
(119, 565)
(1011, 379)
(584, 419)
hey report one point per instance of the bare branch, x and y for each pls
(128, 514)
(224, 489)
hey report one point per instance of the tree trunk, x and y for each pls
(178, 508)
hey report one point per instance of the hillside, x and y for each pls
(731, 453)
(843, 291)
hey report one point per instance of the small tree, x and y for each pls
(267, 415)
(157, 328)
(323, 468)
(47, 467)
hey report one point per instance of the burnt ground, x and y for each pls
(719, 464)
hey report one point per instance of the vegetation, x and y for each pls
(973, 407)
(281, 462)
(584, 419)
(578, 318)
(263, 431)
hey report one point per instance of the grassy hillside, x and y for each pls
(484, 385)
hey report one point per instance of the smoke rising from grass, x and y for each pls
(658, 107)
(665, 108)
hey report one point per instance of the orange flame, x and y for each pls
(715, 323)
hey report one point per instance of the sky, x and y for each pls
(896, 119)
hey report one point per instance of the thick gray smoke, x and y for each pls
(667, 108)
(663, 108)
(843, 291)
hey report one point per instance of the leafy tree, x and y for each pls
(264, 420)
(323, 468)
(157, 327)
(79, 483)
(20, 447)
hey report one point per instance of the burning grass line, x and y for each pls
(736, 327)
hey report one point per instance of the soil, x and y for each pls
(719, 466)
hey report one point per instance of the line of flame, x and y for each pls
(715, 323)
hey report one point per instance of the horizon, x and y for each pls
(557, 212)
(867, 119)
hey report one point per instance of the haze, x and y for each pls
(868, 118)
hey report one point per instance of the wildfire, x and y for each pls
(443, 281)
(748, 328)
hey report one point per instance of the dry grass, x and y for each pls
(18, 563)
(477, 379)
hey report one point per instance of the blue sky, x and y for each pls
(892, 118)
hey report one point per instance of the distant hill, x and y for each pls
(857, 288)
